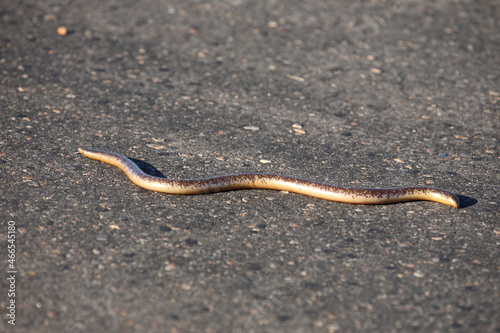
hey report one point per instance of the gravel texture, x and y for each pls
(353, 93)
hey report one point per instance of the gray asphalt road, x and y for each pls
(353, 93)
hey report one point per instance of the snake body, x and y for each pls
(368, 196)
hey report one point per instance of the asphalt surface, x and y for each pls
(353, 93)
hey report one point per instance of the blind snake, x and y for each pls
(368, 196)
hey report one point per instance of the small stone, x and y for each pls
(170, 267)
(155, 146)
(272, 24)
(418, 274)
(62, 30)
(251, 128)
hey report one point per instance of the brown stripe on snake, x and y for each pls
(368, 196)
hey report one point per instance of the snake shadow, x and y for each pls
(466, 201)
(147, 168)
